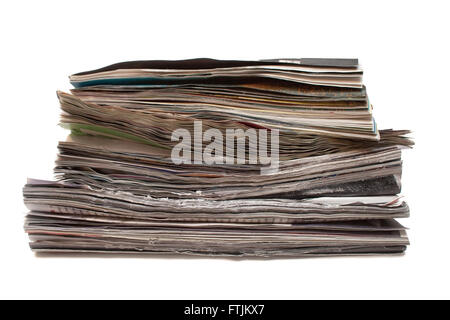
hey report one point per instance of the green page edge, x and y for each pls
(77, 129)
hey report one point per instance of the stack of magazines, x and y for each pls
(211, 157)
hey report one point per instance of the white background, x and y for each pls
(402, 46)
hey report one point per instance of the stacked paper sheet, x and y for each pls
(281, 158)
